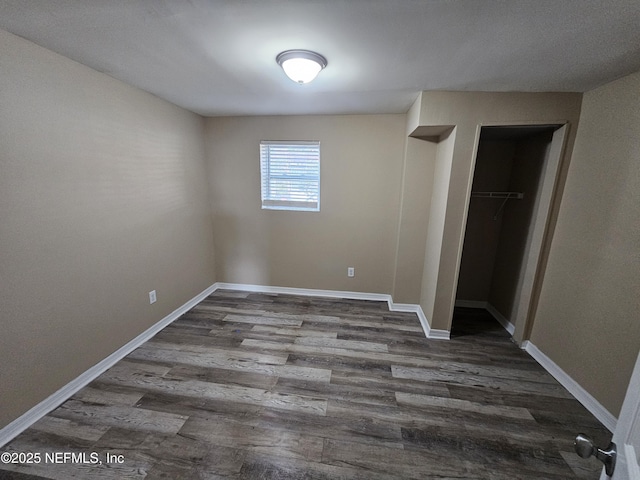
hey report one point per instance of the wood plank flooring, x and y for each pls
(266, 386)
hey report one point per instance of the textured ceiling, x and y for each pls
(217, 57)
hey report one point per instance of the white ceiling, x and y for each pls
(217, 57)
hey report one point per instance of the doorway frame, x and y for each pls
(543, 221)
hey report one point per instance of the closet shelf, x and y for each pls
(505, 195)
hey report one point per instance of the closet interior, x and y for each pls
(508, 176)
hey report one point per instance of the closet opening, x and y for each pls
(513, 183)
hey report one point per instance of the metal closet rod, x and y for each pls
(516, 195)
(504, 195)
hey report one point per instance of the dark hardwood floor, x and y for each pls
(266, 386)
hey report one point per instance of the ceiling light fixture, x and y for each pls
(301, 66)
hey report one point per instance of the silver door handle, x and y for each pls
(585, 448)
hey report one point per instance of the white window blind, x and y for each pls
(290, 173)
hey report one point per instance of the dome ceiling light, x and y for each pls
(301, 66)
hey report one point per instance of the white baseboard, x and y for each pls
(40, 410)
(584, 397)
(23, 422)
(435, 334)
(502, 320)
(376, 297)
(429, 332)
(601, 413)
(471, 304)
(380, 297)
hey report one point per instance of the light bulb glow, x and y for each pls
(301, 70)
(301, 66)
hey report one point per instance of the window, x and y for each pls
(290, 173)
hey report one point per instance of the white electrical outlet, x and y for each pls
(152, 296)
(351, 272)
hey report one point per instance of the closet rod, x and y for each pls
(516, 195)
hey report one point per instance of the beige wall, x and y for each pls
(108, 192)
(587, 319)
(417, 178)
(437, 211)
(103, 199)
(468, 111)
(361, 170)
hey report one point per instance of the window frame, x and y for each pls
(267, 179)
